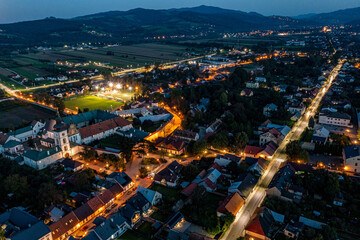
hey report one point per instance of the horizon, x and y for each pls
(13, 11)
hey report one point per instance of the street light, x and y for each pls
(118, 86)
(130, 88)
(111, 84)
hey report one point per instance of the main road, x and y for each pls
(259, 193)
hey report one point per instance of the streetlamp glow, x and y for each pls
(118, 86)
(130, 88)
(111, 84)
(97, 87)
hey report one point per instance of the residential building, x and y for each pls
(335, 119)
(122, 179)
(231, 204)
(186, 135)
(243, 185)
(20, 225)
(320, 136)
(263, 224)
(252, 84)
(269, 109)
(351, 157)
(246, 93)
(103, 129)
(170, 175)
(171, 145)
(224, 160)
(214, 127)
(153, 197)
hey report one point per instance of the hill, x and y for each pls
(344, 16)
(137, 24)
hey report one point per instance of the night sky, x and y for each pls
(19, 10)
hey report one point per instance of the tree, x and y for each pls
(143, 172)
(220, 141)
(2, 234)
(49, 193)
(311, 123)
(227, 220)
(89, 153)
(295, 152)
(241, 139)
(189, 172)
(60, 105)
(17, 185)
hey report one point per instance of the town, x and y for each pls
(250, 135)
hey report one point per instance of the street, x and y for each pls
(257, 196)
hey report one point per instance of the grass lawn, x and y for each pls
(169, 194)
(10, 84)
(131, 235)
(92, 103)
(147, 229)
(160, 216)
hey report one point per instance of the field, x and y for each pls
(17, 113)
(92, 103)
(119, 95)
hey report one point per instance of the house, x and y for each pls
(103, 129)
(65, 226)
(296, 107)
(259, 166)
(311, 223)
(110, 229)
(210, 179)
(72, 165)
(122, 179)
(189, 189)
(186, 135)
(252, 85)
(13, 147)
(175, 220)
(4, 139)
(335, 119)
(232, 204)
(19, 225)
(42, 159)
(153, 197)
(252, 151)
(351, 157)
(320, 136)
(292, 230)
(269, 109)
(26, 133)
(214, 127)
(170, 175)
(280, 183)
(224, 160)
(243, 185)
(273, 133)
(246, 92)
(260, 79)
(170, 145)
(263, 224)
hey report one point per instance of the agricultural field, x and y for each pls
(92, 103)
(16, 113)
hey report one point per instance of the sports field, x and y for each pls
(123, 96)
(92, 103)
